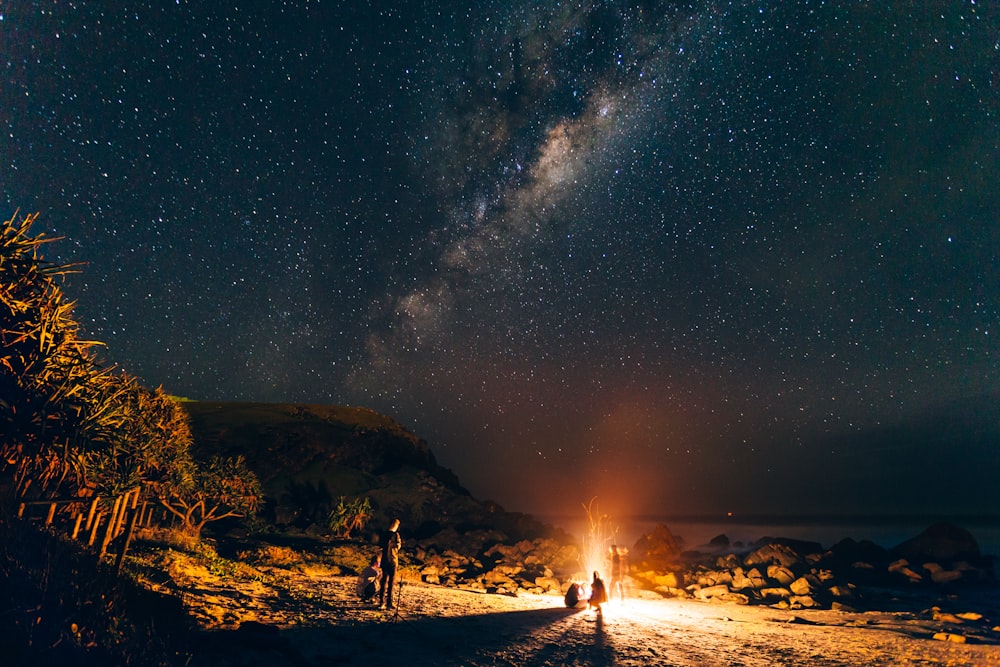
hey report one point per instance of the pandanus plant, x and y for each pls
(51, 389)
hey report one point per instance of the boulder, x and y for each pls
(805, 585)
(709, 592)
(752, 579)
(548, 583)
(780, 574)
(941, 542)
(773, 554)
(719, 542)
(728, 562)
(841, 592)
(774, 593)
(657, 550)
(802, 601)
(902, 567)
(849, 551)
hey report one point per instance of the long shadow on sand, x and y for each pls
(550, 636)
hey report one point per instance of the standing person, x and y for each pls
(391, 543)
(618, 570)
(598, 593)
(369, 578)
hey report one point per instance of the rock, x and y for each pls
(941, 542)
(803, 601)
(657, 550)
(902, 566)
(841, 592)
(752, 579)
(805, 585)
(946, 576)
(709, 592)
(942, 617)
(949, 637)
(719, 542)
(668, 579)
(727, 562)
(825, 575)
(851, 551)
(497, 578)
(732, 598)
(775, 592)
(756, 579)
(548, 583)
(780, 574)
(801, 547)
(775, 553)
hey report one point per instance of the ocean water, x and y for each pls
(698, 531)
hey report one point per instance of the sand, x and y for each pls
(297, 617)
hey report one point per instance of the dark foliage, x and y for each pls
(60, 607)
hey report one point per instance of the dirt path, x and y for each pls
(299, 619)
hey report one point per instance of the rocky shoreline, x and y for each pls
(942, 565)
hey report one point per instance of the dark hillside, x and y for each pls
(309, 456)
(285, 439)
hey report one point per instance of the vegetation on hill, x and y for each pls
(314, 459)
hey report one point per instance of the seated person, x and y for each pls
(574, 596)
(368, 579)
(598, 593)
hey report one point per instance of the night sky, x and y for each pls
(687, 257)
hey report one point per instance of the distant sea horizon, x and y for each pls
(698, 530)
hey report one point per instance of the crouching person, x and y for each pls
(369, 578)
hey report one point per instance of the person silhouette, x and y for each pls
(391, 544)
(598, 593)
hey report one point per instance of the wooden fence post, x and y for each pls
(93, 510)
(93, 528)
(76, 525)
(51, 515)
(109, 533)
(128, 540)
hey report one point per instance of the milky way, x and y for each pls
(682, 256)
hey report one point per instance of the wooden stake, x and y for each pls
(93, 510)
(109, 533)
(93, 529)
(127, 542)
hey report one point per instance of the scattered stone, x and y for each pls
(949, 637)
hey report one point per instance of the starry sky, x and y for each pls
(686, 257)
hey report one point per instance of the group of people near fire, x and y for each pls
(596, 594)
(380, 576)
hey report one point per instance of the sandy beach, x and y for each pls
(311, 618)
